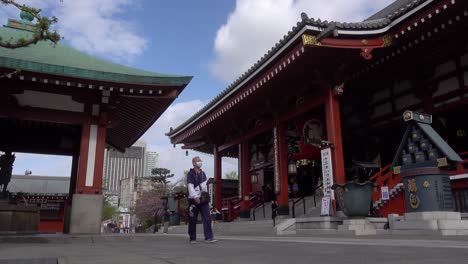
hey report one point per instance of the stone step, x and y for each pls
(323, 232)
(356, 227)
(453, 224)
(433, 216)
(355, 222)
(408, 232)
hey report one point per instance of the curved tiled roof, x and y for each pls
(380, 20)
(45, 57)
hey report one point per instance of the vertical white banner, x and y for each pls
(325, 206)
(210, 191)
(327, 173)
(276, 160)
(93, 133)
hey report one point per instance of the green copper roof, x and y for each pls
(63, 60)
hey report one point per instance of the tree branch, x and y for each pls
(42, 28)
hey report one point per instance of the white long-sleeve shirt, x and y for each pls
(195, 192)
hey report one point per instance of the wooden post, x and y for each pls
(246, 185)
(83, 160)
(74, 175)
(283, 199)
(217, 178)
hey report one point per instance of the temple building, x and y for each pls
(330, 95)
(58, 100)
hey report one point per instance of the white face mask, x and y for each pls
(198, 164)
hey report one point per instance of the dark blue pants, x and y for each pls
(204, 210)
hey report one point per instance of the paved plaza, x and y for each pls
(174, 249)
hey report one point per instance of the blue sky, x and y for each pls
(179, 35)
(214, 41)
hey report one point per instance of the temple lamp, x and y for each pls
(292, 169)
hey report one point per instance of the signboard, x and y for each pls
(327, 173)
(210, 191)
(325, 208)
(385, 194)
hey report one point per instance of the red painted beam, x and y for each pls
(307, 106)
(355, 43)
(46, 115)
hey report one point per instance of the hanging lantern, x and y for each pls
(292, 169)
(254, 178)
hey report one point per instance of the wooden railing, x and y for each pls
(231, 206)
(384, 177)
(462, 167)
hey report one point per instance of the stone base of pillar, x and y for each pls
(282, 210)
(245, 214)
(86, 212)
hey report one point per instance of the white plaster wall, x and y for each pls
(445, 68)
(380, 94)
(465, 77)
(447, 86)
(406, 101)
(402, 86)
(49, 101)
(464, 59)
(382, 109)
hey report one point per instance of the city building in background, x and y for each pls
(130, 190)
(152, 159)
(121, 165)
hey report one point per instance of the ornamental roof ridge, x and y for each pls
(373, 22)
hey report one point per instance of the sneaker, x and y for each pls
(193, 241)
(211, 241)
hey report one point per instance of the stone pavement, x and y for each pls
(174, 249)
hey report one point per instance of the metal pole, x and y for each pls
(293, 210)
(303, 201)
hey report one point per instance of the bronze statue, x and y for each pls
(6, 169)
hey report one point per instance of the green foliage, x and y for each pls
(42, 27)
(108, 211)
(231, 175)
(161, 175)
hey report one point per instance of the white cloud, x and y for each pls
(92, 26)
(256, 25)
(175, 159)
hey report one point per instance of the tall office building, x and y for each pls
(151, 161)
(118, 165)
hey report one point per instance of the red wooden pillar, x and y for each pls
(283, 199)
(217, 177)
(74, 174)
(246, 185)
(332, 111)
(91, 161)
(87, 200)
